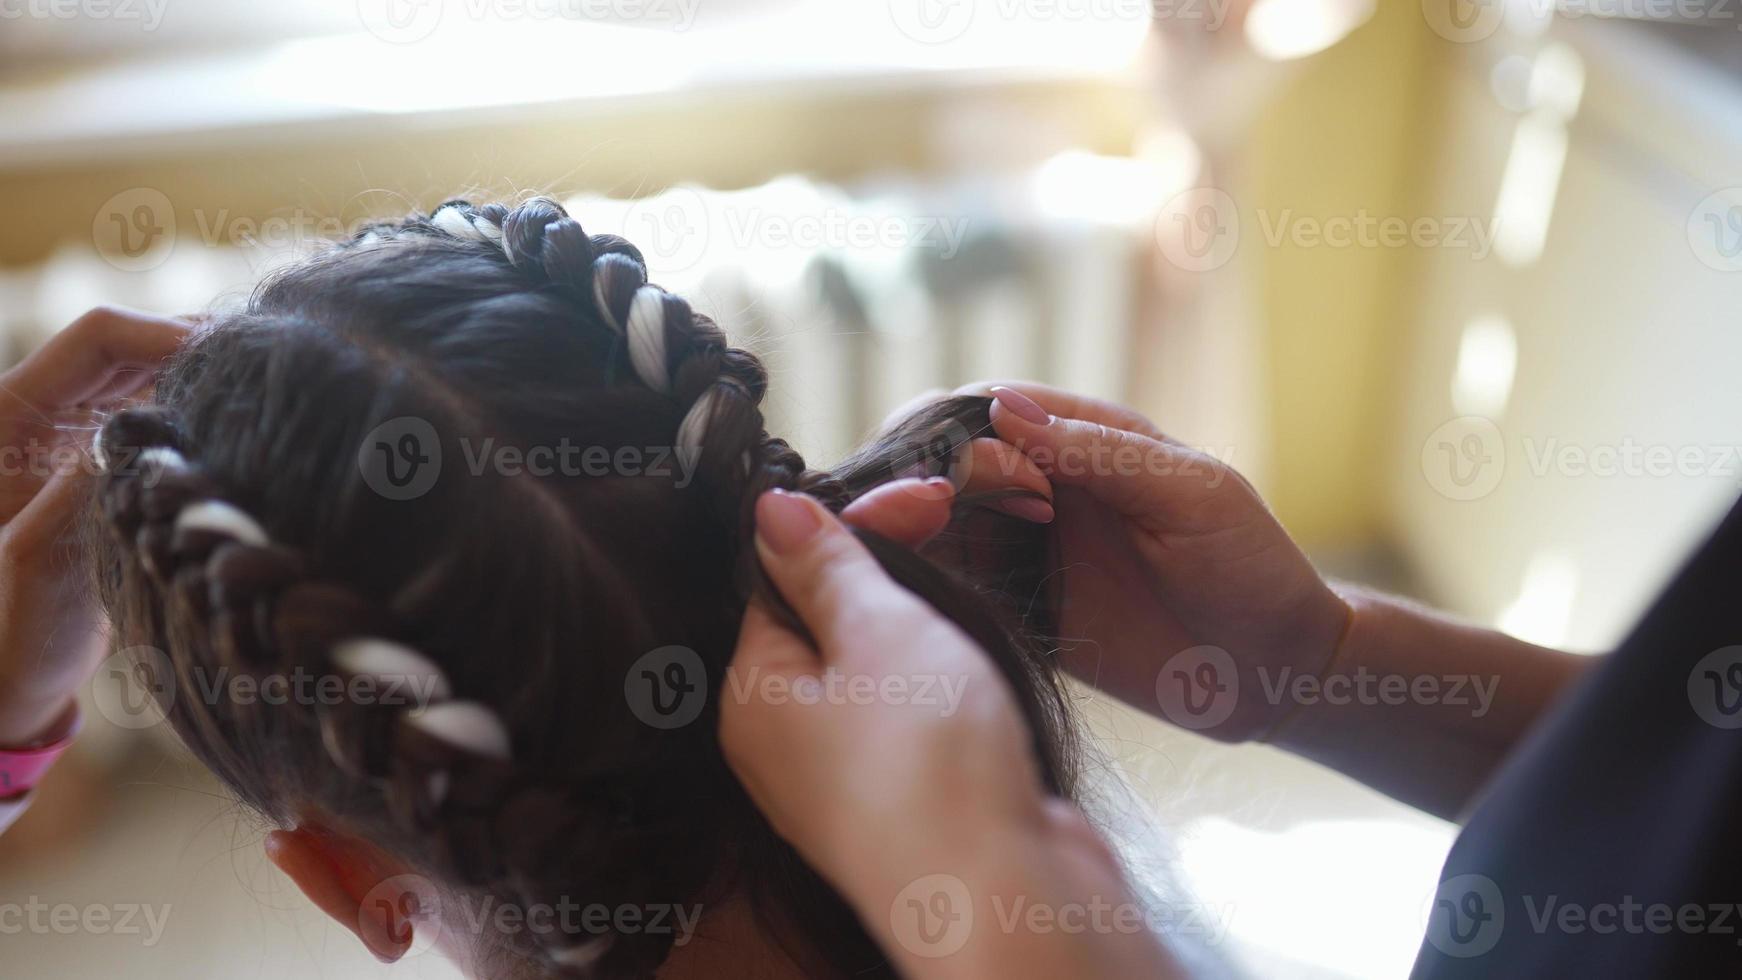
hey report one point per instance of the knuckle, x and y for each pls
(95, 322)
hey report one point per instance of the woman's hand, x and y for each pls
(1194, 604)
(895, 759)
(1188, 593)
(50, 634)
(898, 720)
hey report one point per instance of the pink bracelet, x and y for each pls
(22, 769)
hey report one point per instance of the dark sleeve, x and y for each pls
(1610, 844)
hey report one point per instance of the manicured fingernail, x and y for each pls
(1024, 407)
(1026, 508)
(938, 487)
(785, 521)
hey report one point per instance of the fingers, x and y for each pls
(1057, 401)
(47, 522)
(53, 631)
(993, 465)
(1136, 474)
(107, 352)
(913, 511)
(752, 727)
(827, 576)
(909, 512)
(765, 645)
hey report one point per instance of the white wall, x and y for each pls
(1626, 341)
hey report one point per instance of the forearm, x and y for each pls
(1418, 706)
(1016, 903)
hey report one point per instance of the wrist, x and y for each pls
(1313, 664)
(1037, 900)
(30, 719)
(1261, 677)
(23, 763)
(965, 839)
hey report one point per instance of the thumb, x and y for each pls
(832, 582)
(754, 729)
(909, 512)
(765, 646)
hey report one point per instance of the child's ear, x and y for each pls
(359, 886)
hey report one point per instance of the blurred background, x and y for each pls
(1452, 281)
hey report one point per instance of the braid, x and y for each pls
(538, 764)
(670, 348)
(443, 764)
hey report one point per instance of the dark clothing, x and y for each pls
(1610, 843)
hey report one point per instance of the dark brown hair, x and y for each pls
(534, 593)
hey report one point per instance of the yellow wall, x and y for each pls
(1346, 134)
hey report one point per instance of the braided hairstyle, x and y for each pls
(244, 530)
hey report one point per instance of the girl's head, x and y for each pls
(465, 505)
